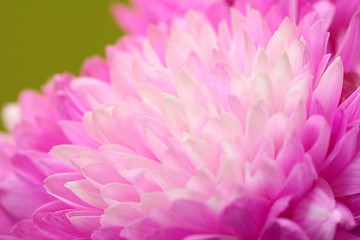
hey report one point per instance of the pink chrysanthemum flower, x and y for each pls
(190, 132)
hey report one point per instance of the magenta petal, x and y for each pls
(346, 236)
(6, 222)
(341, 155)
(26, 230)
(347, 182)
(210, 237)
(351, 106)
(338, 128)
(51, 219)
(7, 237)
(350, 49)
(283, 229)
(244, 217)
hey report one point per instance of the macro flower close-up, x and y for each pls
(207, 119)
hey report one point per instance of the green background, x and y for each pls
(39, 38)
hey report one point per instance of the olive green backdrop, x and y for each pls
(39, 38)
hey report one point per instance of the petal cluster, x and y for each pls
(200, 129)
(340, 17)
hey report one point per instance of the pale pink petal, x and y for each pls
(55, 185)
(319, 214)
(140, 229)
(86, 192)
(122, 213)
(186, 214)
(328, 90)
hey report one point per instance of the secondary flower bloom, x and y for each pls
(191, 132)
(36, 126)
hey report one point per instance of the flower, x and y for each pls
(190, 132)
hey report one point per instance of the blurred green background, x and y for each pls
(39, 38)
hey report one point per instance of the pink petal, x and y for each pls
(316, 138)
(26, 230)
(96, 67)
(283, 229)
(349, 51)
(244, 217)
(346, 183)
(51, 219)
